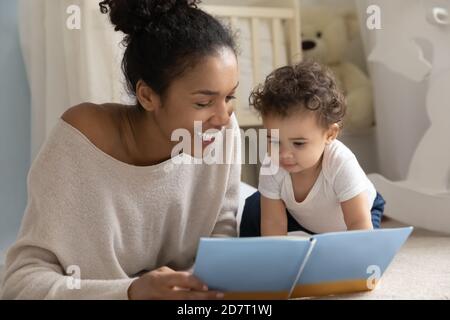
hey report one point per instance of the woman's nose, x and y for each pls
(222, 116)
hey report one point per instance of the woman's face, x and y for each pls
(204, 93)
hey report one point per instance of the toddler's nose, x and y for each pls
(285, 154)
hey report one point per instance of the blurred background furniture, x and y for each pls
(268, 36)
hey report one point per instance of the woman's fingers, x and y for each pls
(185, 280)
(196, 295)
(185, 286)
(165, 283)
(165, 270)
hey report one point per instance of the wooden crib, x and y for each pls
(268, 35)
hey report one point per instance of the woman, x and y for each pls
(106, 203)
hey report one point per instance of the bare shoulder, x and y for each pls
(94, 121)
(82, 116)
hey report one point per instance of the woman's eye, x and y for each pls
(203, 105)
(229, 98)
(299, 144)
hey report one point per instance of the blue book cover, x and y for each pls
(293, 267)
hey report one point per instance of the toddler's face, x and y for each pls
(301, 140)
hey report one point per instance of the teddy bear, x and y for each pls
(326, 35)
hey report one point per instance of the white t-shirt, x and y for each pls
(340, 179)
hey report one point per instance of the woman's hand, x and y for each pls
(167, 284)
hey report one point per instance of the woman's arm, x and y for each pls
(35, 273)
(273, 217)
(357, 213)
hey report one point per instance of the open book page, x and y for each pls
(251, 268)
(299, 234)
(297, 266)
(351, 261)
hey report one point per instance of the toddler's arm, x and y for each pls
(273, 217)
(357, 213)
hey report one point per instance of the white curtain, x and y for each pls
(66, 67)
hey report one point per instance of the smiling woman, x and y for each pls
(104, 193)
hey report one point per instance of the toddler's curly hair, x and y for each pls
(304, 86)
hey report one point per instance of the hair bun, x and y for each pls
(133, 16)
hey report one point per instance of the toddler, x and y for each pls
(319, 185)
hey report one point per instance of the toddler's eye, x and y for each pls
(299, 144)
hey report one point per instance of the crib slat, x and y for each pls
(234, 23)
(276, 40)
(249, 12)
(295, 34)
(288, 14)
(256, 51)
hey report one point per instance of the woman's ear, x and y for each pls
(147, 97)
(332, 133)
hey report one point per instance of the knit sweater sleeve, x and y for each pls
(35, 273)
(47, 260)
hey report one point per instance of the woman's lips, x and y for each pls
(208, 142)
(208, 136)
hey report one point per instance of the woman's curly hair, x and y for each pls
(304, 86)
(164, 38)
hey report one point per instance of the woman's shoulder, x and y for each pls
(88, 118)
(96, 122)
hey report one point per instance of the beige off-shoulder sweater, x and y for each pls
(92, 217)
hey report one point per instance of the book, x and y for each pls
(297, 267)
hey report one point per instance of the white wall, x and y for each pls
(399, 109)
(14, 127)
